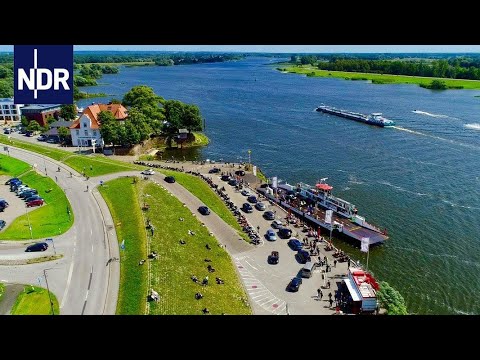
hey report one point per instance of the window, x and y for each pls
(86, 132)
(77, 132)
(95, 133)
(84, 124)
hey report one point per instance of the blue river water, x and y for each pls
(420, 180)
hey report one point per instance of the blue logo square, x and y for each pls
(43, 74)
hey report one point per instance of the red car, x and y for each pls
(36, 202)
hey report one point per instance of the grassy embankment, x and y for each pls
(121, 196)
(100, 164)
(204, 193)
(50, 219)
(34, 300)
(200, 139)
(170, 275)
(380, 78)
(2, 290)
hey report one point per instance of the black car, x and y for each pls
(269, 215)
(28, 193)
(252, 199)
(214, 171)
(240, 173)
(225, 178)
(232, 182)
(303, 256)
(247, 208)
(170, 179)
(273, 257)
(2, 224)
(204, 210)
(41, 246)
(294, 284)
(284, 233)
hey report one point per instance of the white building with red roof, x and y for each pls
(85, 130)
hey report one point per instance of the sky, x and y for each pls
(281, 48)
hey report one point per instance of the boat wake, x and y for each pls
(399, 188)
(353, 180)
(452, 204)
(474, 126)
(429, 114)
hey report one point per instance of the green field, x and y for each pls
(100, 164)
(379, 78)
(200, 139)
(171, 274)
(48, 220)
(34, 300)
(121, 195)
(202, 191)
(12, 167)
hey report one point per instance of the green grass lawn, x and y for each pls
(34, 300)
(204, 193)
(177, 263)
(379, 78)
(121, 195)
(100, 164)
(200, 139)
(2, 290)
(48, 220)
(12, 167)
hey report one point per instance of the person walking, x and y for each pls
(87, 188)
(334, 263)
(331, 302)
(328, 284)
(319, 293)
(348, 263)
(330, 296)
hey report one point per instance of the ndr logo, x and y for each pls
(43, 74)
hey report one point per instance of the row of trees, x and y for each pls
(148, 114)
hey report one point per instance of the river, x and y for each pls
(420, 180)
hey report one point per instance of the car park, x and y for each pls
(284, 233)
(294, 284)
(204, 210)
(295, 244)
(277, 224)
(2, 224)
(170, 179)
(270, 235)
(41, 246)
(303, 256)
(245, 192)
(247, 208)
(273, 258)
(260, 206)
(269, 215)
(148, 172)
(36, 202)
(252, 199)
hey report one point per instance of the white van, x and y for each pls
(307, 270)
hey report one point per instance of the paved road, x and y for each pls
(9, 297)
(81, 280)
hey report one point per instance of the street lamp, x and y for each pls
(29, 224)
(48, 290)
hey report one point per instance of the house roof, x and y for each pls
(61, 123)
(92, 111)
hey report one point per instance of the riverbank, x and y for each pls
(311, 71)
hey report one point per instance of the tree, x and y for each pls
(140, 96)
(24, 121)
(173, 110)
(129, 134)
(108, 127)
(68, 111)
(191, 120)
(139, 121)
(50, 119)
(391, 300)
(115, 101)
(63, 132)
(437, 85)
(34, 126)
(293, 59)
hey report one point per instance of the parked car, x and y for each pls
(247, 208)
(240, 173)
(270, 235)
(303, 256)
(294, 284)
(245, 192)
(42, 138)
(170, 179)
(2, 224)
(36, 202)
(225, 178)
(29, 133)
(273, 258)
(295, 244)
(28, 193)
(260, 206)
(148, 172)
(4, 203)
(269, 215)
(252, 199)
(7, 131)
(32, 197)
(232, 182)
(204, 210)
(214, 171)
(10, 180)
(40, 246)
(22, 189)
(277, 224)
(284, 233)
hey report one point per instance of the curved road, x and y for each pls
(83, 280)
